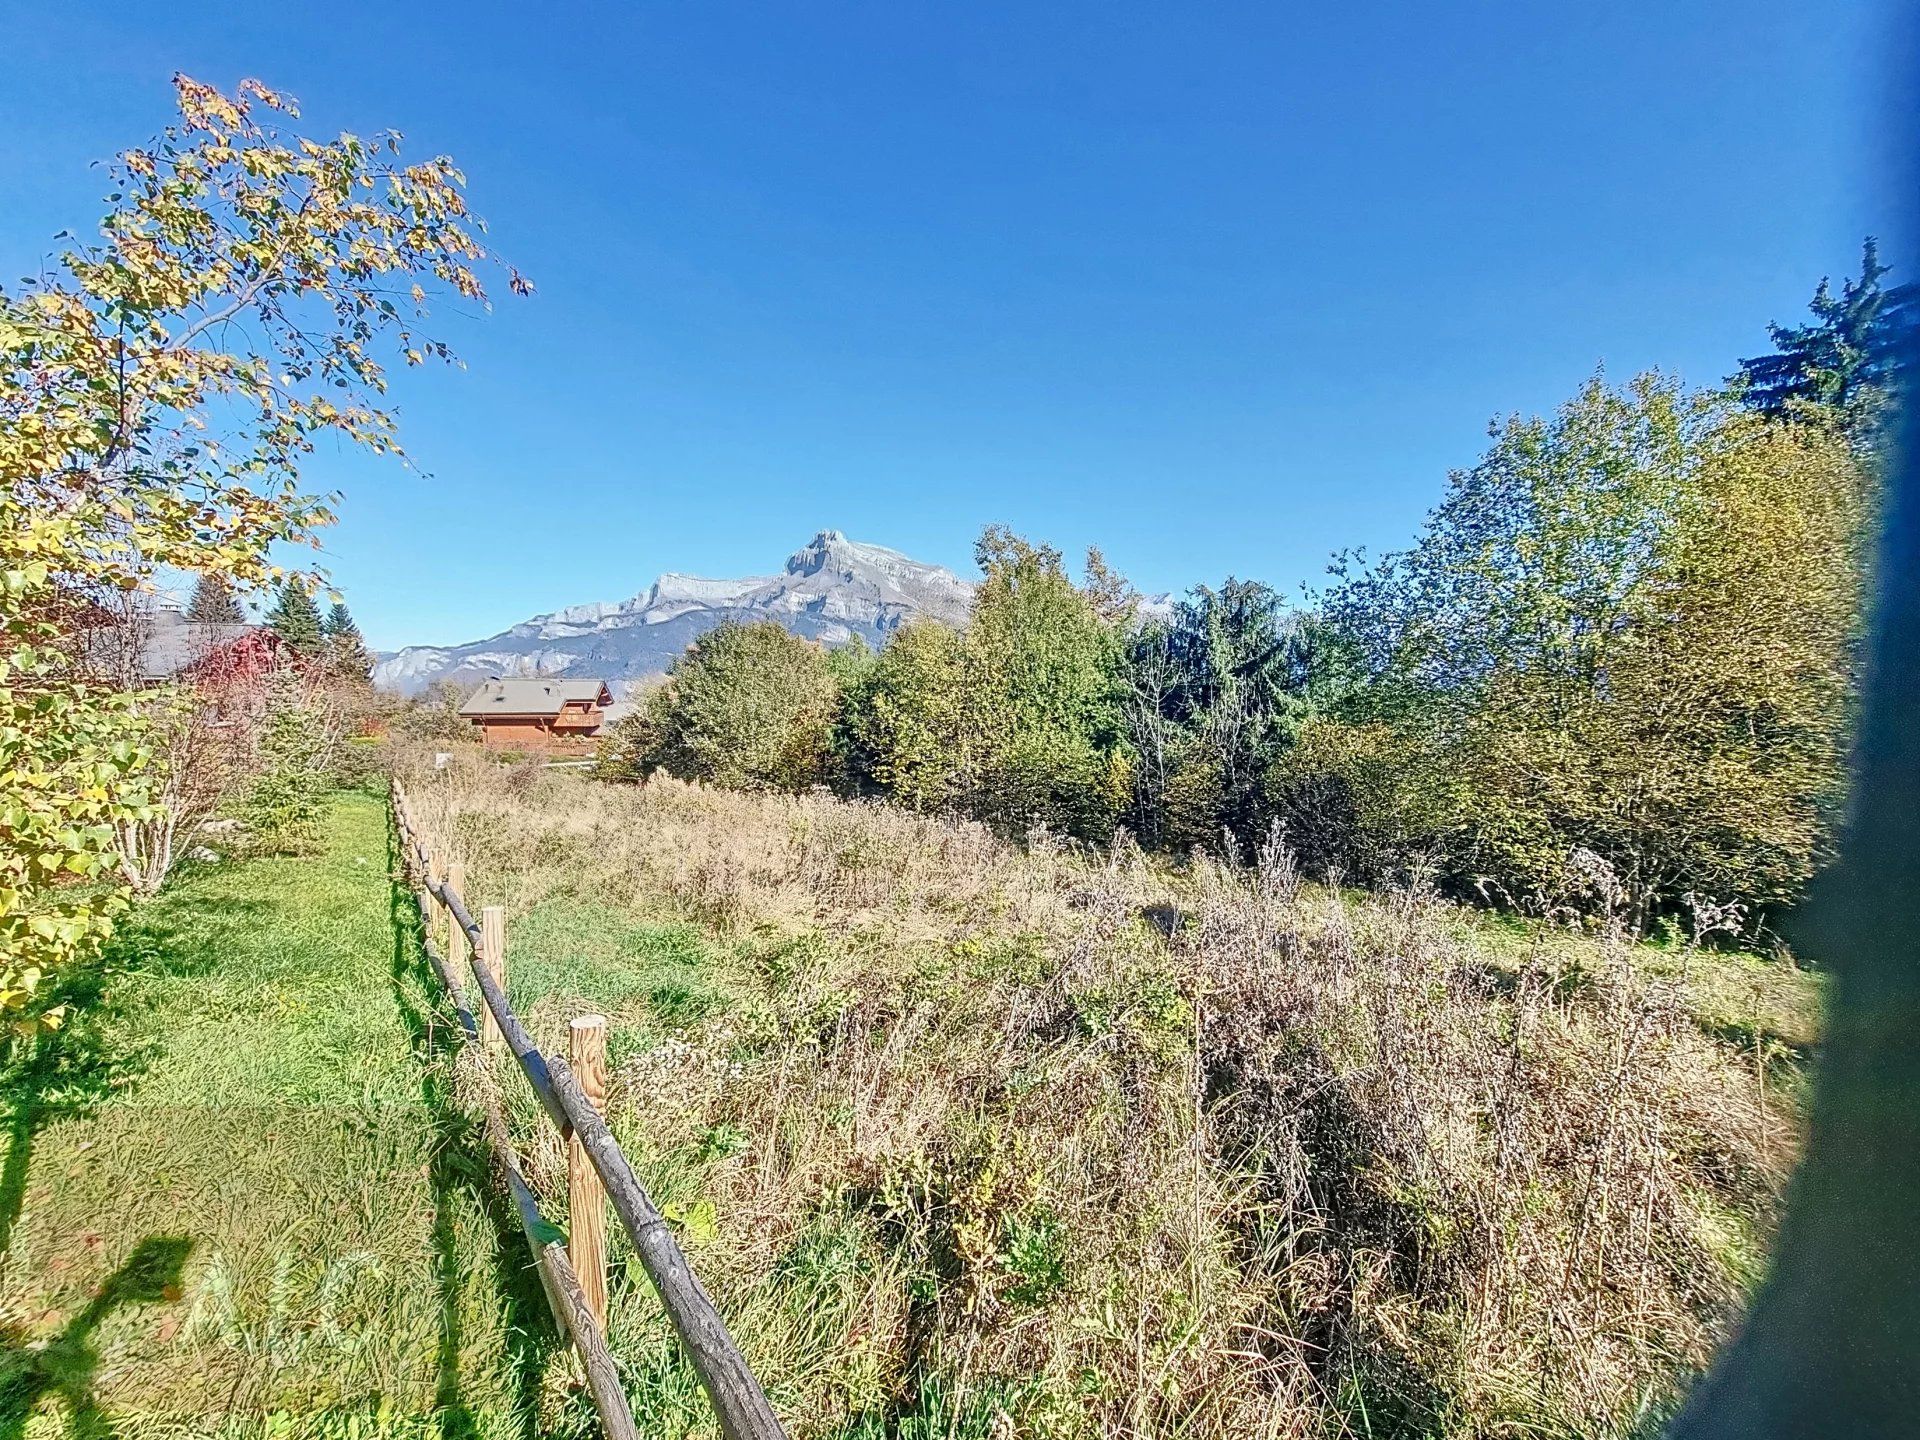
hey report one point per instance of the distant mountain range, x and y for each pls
(832, 589)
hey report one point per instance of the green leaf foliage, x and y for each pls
(161, 385)
(1849, 359)
(344, 647)
(296, 619)
(749, 706)
(1627, 636)
(1017, 718)
(288, 797)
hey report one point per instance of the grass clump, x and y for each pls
(971, 1139)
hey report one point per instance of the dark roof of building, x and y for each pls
(172, 642)
(532, 697)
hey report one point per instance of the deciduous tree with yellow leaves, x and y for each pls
(159, 390)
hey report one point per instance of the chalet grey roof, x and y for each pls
(172, 642)
(530, 697)
(149, 646)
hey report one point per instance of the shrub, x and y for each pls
(196, 762)
(748, 706)
(286, 801)
(1359, 800)
(360, 763)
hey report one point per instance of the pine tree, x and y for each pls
(1851, 356)
(213, 603)
(296, 620)
(346, 646)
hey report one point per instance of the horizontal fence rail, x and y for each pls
(739, 1402)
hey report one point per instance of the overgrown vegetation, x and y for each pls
(971, 1138)
(1622, 656)
(1630, 635)
(977, 1119)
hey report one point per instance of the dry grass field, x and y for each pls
(973, 1138)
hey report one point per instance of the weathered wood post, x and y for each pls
(456, 950)
(433, 898)
(493, 955)
(586, 1197)
(431, 882)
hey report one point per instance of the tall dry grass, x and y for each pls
(990, 1139)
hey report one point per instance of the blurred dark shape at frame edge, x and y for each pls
(1833, 1344)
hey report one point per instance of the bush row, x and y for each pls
(1615, 672)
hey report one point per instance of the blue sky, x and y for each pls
(1219, 288)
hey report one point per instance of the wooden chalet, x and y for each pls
(538, 715)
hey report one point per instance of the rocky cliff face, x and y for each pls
(832, 589)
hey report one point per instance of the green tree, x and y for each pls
(1016, 719)
(247, 284)
(1044, 659)
(213, 602)
(748, 706)
(287, 799)
(1850, 358)
(346, 648)
(911, 725)
(296, 619)
(1215, 695)
(1629, 632)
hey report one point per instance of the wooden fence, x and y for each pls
(572, 1092)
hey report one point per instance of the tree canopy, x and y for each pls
(159, 392)
(214, 603)
(296, 619)
(750, 706)
(1628, 633)
(346, 649)
(1616, 671)
(1849, 358)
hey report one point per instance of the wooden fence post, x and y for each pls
(456, 937)
(493, 955)
(434, 871)
(586, 1197)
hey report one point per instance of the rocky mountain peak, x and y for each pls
(827, 550)
(832, 589)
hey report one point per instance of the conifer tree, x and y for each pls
(296, 620)
(1850, 357)
(347, 648)
(213, 602)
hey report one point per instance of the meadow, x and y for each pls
(970, 1137)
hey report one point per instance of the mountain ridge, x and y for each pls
(831, 589)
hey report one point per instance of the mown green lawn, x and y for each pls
(234, 1200)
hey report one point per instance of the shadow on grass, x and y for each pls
(458, 1167)
(65, 1073)
(65, 1365)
